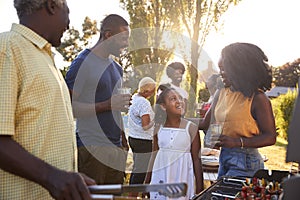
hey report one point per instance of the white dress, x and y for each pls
(173, 162)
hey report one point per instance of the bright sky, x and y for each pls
(270, 24)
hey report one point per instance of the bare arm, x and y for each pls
(262, 112)
(197, 165)
(116, 102)
(60, 184)
(124, 141)
(123, 137)
(146, 122)
(202, 123)
(205, 122)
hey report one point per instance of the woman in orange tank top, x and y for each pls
(243, 110)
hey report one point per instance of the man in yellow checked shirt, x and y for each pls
(37, 140)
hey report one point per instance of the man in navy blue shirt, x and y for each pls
(93, 80)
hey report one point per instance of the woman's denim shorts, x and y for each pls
(240, 162)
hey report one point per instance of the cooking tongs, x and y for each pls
(173, 190)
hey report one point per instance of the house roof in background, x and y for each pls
(278, 90)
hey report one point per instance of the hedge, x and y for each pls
(283, 110)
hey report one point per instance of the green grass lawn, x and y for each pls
(276, 155)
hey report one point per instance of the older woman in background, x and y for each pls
(140, 129)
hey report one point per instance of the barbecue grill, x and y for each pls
(231, 187)
(225, 188)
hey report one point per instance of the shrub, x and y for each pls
(283, 110)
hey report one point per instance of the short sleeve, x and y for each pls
(72, 73)
(144, 107)
(9, 91)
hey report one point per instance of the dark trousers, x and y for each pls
(106, 165)
(142, 150)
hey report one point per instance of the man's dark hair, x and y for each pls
(173, 66)
(112, 23)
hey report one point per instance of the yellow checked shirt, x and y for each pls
(35, 108)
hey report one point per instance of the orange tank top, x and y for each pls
(233, 111)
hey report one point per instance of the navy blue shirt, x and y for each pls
(94, 79)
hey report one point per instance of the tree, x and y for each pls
(74, 42)
(196, 17)
(287, 75)
(147, 57)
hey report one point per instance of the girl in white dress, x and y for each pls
(176, 145)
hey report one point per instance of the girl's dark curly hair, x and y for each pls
(160, 114)
(246, 68)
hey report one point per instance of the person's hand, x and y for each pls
(88, 181)
(147, 181)
(125, 144)
(68, 185)
(228, 142)
(120, 102)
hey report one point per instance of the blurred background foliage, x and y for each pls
(283, 110)
(193, 18)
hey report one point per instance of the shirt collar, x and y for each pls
(32, 36)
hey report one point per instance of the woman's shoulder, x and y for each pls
(139, 99)
(260, 96)
(260, 101)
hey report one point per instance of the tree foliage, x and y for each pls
(287, 75)
(74, 41)
(194, 17)
(147, 57)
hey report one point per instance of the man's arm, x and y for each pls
(124, 141)
(83, 109)
(116, 102)
(60, 184)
